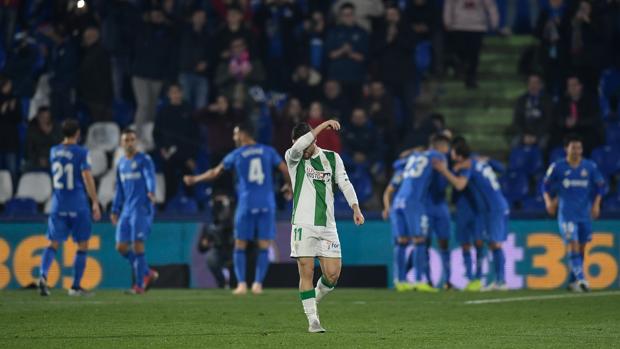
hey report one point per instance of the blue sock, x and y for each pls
(420, 260)
(146, 269)
(130, 257)
(576, 265)
(427, 264)
(499, 262)
(239, 264)
(262, 264)
(479, 260)
(467, 263)
(46, 261)
(400, 251)
(138, 269)
(79, 264)
(445, 260)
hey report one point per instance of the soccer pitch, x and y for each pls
(354, 318)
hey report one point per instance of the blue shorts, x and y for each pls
(408, 223)
(439, 221)
(576, 231)
(255, 224)
(60, 224)
(495, 226)
(134, 227)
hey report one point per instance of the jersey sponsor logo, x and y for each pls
(130, 176)
(313, 174)
(575, 183)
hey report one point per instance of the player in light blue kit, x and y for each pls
(494, 210)
(407, 212)
(70, 213)
(571, 184)
(133, 210)
(253, 164)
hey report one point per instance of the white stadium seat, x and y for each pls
(146, 137)
(106, 188)
(98, 162)
(6, 186)
(160, 190)
(103, 135)
(47, 209)
(36, 186)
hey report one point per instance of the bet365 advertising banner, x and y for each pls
(535, 254)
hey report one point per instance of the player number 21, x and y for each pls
(256, 174)
(59, 171)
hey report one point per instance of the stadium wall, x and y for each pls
(535, 254)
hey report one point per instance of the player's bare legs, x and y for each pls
(239, 261)
(46, 261)
(79, 264)
(330, 268)
(307, 293)
(262, 263)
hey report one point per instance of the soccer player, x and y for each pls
(133, 209)
(255, 213)
(315, 172)
(70, 214)
(576, 181)
(408, 212)
(495, 208)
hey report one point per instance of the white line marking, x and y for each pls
(543, 297)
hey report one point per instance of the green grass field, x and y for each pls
(354, 318)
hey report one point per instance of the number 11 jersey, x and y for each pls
(253, 165)
(67, 163)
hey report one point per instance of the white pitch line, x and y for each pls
(543, 297)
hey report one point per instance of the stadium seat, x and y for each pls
(534, 203)
(182, 204)
(160, 190)
(123, 113)
(526, 159)
(103, 135)
(6, 186)
(556, 154)
(515, 186)
(106, 188)
(47, 208)
(36, 186)
(98, 162)
(607, 159)
(20, 207)
(609, 87)
(612, 134)
(146, 137)
(611, 203)
(362, 182)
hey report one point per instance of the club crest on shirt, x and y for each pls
(584, 173)
(318, 175)
(134, 165)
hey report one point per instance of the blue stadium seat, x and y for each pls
(612, 134)
(526, 159)
(533, 203)
(556, 154)
(362, 182)
(182, 204)
(515, 186)
(607, 159)
(123, 113)
(611, 204)
(609, 86)
(20, 207)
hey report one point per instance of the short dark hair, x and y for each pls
(300, 129)
(43, 109)
(128, 130)
(572, 137)
(346, 5)
(461, 148)
(440, 138)
(70, 128)
(246, 128)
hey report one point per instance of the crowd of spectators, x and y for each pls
(184, 72)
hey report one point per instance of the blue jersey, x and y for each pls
(135, 177)
(575, 188)
(436, 200)
(397, 177)
(483, 182)
(416, 178)
(253, 165)
(67, 163)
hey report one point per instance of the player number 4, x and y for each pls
(256, 174)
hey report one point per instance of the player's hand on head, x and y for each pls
(333, 124)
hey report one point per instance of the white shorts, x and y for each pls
(311, 241)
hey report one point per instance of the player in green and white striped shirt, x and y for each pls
(314, 173)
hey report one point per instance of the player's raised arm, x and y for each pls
(342, 179)
(295, 153)
(206, 176)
